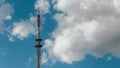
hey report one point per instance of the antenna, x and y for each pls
(38, 46)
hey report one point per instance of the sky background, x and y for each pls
(75, 33)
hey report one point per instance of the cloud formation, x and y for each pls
(85, 27)
(6, 10)
(23, 29)
(43, 5)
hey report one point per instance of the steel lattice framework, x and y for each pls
(38, 42)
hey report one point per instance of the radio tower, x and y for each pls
(38, 40)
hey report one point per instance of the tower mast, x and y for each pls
(38, 40)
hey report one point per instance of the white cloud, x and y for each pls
(116, 3)
(11, 38)
(8, 17)
(23, 29)
(85, 27)
(44, 58)
(6, 9)
(43, 5)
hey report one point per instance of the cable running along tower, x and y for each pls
(38, 40)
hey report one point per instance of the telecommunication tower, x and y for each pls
(38, 40)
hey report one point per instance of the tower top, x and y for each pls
(38, 11)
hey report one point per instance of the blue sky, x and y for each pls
(76, 33)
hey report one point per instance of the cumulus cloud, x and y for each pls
(43, 5)
(6, 10)
(8, 17)
(23, 29)
(44, 58)
(85, 27)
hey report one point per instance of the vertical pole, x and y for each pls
(38, 45)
